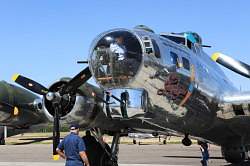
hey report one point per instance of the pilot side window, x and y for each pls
(186, 63)
(174, 58)
(176, 39)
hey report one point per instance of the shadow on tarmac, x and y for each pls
(32, 140)
(193, 157)
(247, 163)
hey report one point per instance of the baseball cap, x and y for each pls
(74, 126)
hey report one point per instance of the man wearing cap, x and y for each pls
(72, 148)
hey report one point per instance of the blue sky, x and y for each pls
(43, 39)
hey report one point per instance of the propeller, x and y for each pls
(232, 64)
(56, 98)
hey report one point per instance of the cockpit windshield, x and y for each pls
(188, 39)
(176, 39)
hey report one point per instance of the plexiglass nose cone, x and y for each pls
(115, 58)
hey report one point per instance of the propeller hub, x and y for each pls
(50, 96)
(66, 101)
(54, 97)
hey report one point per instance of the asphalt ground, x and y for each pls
(150, 153)
(129, 155)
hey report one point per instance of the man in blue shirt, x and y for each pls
(72, 148)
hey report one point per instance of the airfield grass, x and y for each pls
(30, 138)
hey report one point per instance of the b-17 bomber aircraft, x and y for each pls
(153, 83)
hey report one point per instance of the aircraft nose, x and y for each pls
(115, 58)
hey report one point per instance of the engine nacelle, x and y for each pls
(77, 108)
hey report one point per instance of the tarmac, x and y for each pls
(129, 155)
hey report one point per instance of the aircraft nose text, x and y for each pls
(115, 58)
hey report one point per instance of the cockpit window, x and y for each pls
(176, 39)
(187, 39)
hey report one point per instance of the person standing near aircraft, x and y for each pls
(204, 152)
(72, 148)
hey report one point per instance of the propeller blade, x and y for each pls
(30, 84)
(232, 64)
(77, 81)
(56, 130)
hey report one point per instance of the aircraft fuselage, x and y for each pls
(183, 86)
